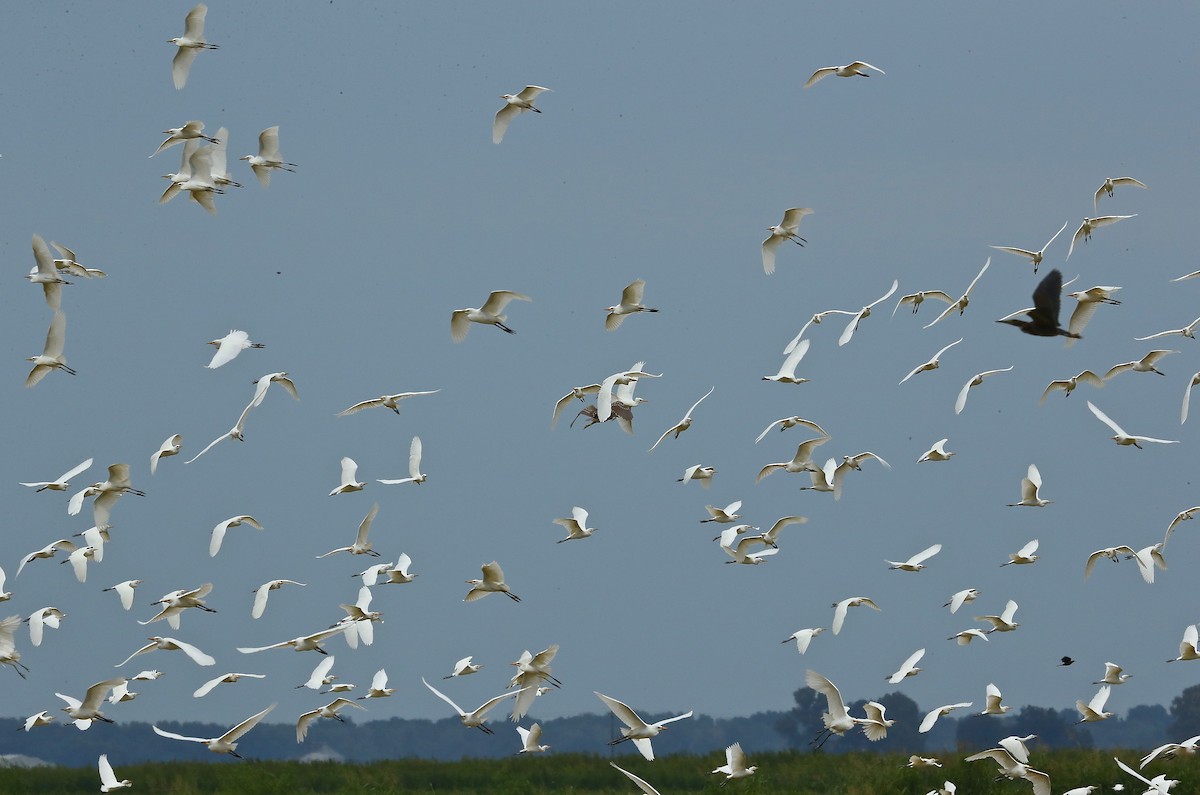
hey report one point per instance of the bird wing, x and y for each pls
(486, 707)
(788, 367)
(499, 299)
(612, 322)
(249, 723)
(366, 404)
(646, 748)
(839, 617)
(820, 74)
(504, 117)
(833, 699)
(174, 736)
(1100, 415)
(460, 324)
(231, 345)
(925, 555)
(492, 573)
(698, 402)
(632, 294)
(767, 429)
(364, 527)
(769, 247)
(444, 697)
(349, 470)
(208, 686)
(414, 458)
(181, 64)
(641, 783)
(211, 444)
(96, 693)
(953, 305)
(851, 327)
(1019, 251)
(198, 657)
(622, 711)
(666, 433)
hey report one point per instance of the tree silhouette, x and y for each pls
(1185, 713)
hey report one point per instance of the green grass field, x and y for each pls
(793, 773)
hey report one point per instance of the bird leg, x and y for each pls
(503, 327)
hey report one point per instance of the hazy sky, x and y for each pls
(669, 143)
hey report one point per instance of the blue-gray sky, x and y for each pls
(670, 142)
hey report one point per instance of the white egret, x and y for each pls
(854, 69)
(577, 393)
(46, 274)
(398, 574)
(785, 423)
(1024, 555)
(631, 303)
(726, 515)
(414, 466)
(530, 739)
(801, 462)
(236, 433)
(1031, 484)
(771, 537)
(1087, 302)
(175, 602)
(229, 346)
(4, 595)
(683, 424)
(228, 678)
(814, 320)
(835, 718)
(1143, 365)
(85, 711)
(170, 447)
(933, 364)
(227, 743)
(263, 383)
(917, 561)
(875, 724)
(1182, 516)
(219, 160)
(63, 481)
(488, 314)
(464, 667)
(961, 401)
(1112, 675)
(576, 525)
(1112, 553)
(803, 638)
(960, 598)
(787, 370)
(741, 551)
(936, 453)
(51, 357)
(915, 761)
(863, 313)
(907, 668)
(1171, 751)
(1035, 257)
(177, 135)
(268, 157)
(1110, 184)
(476, 718)
(1094, 710)
(919, 297)
(379, 688)
(1188, 647)
(967, 635)
(1012, 768)
(218, 532)
(932, 716)
(637, 729)
(69, 262)
(78, 560)
(42, 718)
(1148, 559)
(840, 608)
(263, 591)
(607, 398)
(965, 299)
(40, 618)
(492, 582)
(532, 670)
(320, 676)
(735, 764)
(171, 644)
(1003, 622)
(700, 473)
(386, 401)
(784, 230)
(348, 483)
(514, 105)
(8, 649)
(48, 551)
(1188, 331)
(190, 44)
(1067, 385)
(994, 707)
(1088, 225)
(1123, 438)
(303, 643)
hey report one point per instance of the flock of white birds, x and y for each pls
(203, 175)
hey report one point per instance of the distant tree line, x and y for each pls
(1143, 726)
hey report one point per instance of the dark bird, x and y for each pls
(1066, 661)
(1043, 318)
